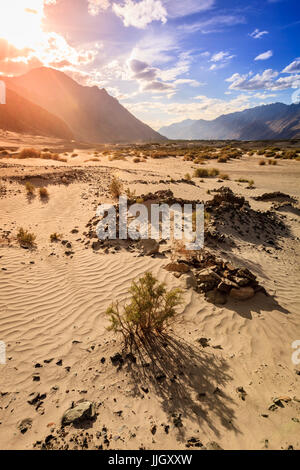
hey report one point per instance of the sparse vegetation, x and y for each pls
(44, 193)
(206, 172)
(148, 312)
(30, 188)
(26, 238)
(29, 153)
(116, 187)
(224, 176)
(55, 237)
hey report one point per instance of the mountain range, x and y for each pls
(273, 121)
(48, 102)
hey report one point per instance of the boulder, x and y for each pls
(208, 275)
(216, 297)
(24, 425)
(244, 293)
(84, 410)
(177, 267)
(148, 247)
(190, 281)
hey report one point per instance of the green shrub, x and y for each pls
(148, 312)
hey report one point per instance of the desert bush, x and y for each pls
(224, 176)
(222, 159)
(148, 312)
(201, 173)
(272, 162)
(26, 238)
(29, 153)
(187, 177)
(206, 172)
(44, 193)
(55, 237)
(74, 155)
(116, 187)
(136, 160)
(30, 188)
(262, 162)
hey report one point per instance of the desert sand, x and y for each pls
(224, 377)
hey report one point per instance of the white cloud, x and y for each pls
(263, 81)
(264, 56)
(294, 67)
(95, 6)
(220, 59)
(178, 8)
(213, 25)
(140, 14)
(188, 81)
(257, 34)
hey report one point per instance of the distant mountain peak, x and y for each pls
(269, 121)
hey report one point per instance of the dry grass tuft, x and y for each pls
(26, 238)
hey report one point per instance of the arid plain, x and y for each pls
(224, 377)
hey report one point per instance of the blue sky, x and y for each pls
(166, 60)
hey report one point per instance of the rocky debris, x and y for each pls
(193, 442)
(225, 198)
(241, 393)
(232, 217)
(117, 360)
(82, 411)
(219, 279)
(276, 196)
(37, 399)
(25, 425)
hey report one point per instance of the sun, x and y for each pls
(21, 22)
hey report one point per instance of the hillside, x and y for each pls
(91, 113)
(274, 121)
(21, 115)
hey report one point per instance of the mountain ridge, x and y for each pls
(272, 121)
(90, 112)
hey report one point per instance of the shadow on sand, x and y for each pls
(188, 382)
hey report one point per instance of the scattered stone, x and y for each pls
(25, 425)
(117, 360)
(242, 393)
(148, 247)
(216, 297)
(177, 267)
(82, 411)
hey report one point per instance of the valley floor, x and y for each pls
(52, 318)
